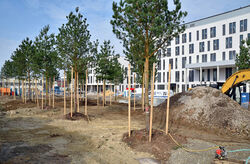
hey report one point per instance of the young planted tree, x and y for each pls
(18, 61)
(27, 50)
(74, 45)
(151, 22)
(243, 58)
(46, 58)
(107, 66)
(135, 55)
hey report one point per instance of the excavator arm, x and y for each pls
(235, 79)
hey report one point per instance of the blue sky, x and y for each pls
(25, 18)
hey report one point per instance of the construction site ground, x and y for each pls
(31, 135)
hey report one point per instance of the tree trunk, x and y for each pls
(142, 91)
(47, 90)
(75, 96)
(19, 87)
(104, 89)
(29, 84)
(146, 91)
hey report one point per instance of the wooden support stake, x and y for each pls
(49, 91)
(110, 94)
(64, 111)
(32, 90)
(71, 105)
(25, 99)
(103, 91)
(37, 95)
(42, 92)
(129, 110)
(78, 107)
(14, 89)
(23, 91)
(143, 81)
(53, 86)
(167, 112)
(97, 94)
(134, 92)
(86, 92)
(9, 85)
(152, 103)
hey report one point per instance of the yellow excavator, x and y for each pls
(232, 85)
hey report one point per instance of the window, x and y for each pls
(243, 25)
(229, 42)
(177, 39)
(241, 38)
(184, 38)
(228, 72)
(197, 35)
(208, 45)
(197, 59)
(204, 58)
(160, 87)
(190, 59)
(203, 75)
(232, 55)
(191, 48)
(190, 37)
(204, 34)
(159, 65)
(212, 32)
(159, 77)
(214, 74)
(177, 50)
(163, 64)
(171, 62)
(176, 63)
(224, 29)
(216, 44)
(168, 52)
(191, 75)
(223, 55)
(164, 77)
(182, 51)
(208, 75)
(177, 76)
(184, 59)
(202, 47)
(182, 76)
(248, 36)
(167, 76)
(232, 28)
(213, 57)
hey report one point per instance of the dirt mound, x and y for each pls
(160, 145)
(208, 109)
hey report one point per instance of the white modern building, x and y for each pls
(205, 52)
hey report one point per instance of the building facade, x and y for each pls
(204, 54)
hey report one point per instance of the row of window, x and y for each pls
(228, 73)
(232, 30)
(215, 46)
(204, 59)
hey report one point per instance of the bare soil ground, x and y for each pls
(32, 135)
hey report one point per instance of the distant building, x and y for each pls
(205, 52)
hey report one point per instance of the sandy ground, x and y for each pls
(32, 135)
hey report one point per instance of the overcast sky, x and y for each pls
(25, 18)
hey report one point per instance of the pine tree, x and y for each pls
(74, 45)
(150, 22)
